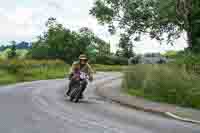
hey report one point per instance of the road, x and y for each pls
(39, 107)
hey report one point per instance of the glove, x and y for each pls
(90, 78)
(70, 76)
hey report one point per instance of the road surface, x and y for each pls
(39, 107)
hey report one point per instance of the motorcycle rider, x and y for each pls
(83, 66)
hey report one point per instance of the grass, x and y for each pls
(7, 78)
(32, 75)
(13, 71)
(43, 73)
(168, 83)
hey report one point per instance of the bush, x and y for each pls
(110, 60)
(170, 54)
(187, 58)
(166, 83)
(105, 68)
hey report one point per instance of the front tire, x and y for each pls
(71, 99)
(78, 96)
(74, 95)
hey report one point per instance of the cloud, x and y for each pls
(18, 25)
(25, 19)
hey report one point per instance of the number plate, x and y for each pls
(83, 75)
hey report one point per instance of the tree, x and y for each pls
(12, 53)
(59, 42)
(126, 44)
(23, 45)
(95, 43)
(118, 53)
(188, 17)
(157, 18)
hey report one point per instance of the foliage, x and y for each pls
(110, 60)
(4, 54)
(106, 68)
(157, 18)
(27, 70)
(62, 43)
(126, 45)
(20, 53)
(20, 45)
(6, 77)
(187, 58)
(12, 53)
(157, 82)
(170, 54)
(188, 12)
(12, 71)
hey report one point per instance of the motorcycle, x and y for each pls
(75, 94)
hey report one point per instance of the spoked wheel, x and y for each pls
(78, 96)
(74, 95)
(71, 99)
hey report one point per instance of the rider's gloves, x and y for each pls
(70, 76)
(91, 78)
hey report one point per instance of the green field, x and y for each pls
(13, 71)
(171, 83)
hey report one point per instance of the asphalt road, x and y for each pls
(39, 107)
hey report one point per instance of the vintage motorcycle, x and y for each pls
(75, 94)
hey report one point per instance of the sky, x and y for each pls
(24, 20)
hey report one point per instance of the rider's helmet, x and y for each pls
(83, 59)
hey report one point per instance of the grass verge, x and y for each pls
(168, 83)
(13, 71)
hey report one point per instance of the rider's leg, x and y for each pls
(84, 86)
(71, 83)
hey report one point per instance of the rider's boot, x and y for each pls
(69, 88)
(84, 86)
(81, 96)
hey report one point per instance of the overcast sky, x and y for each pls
(25, 19)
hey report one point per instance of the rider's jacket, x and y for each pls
(86, 69)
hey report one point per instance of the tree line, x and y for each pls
(59, 42)
(20, 45)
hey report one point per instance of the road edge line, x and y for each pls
(167, 114)
(174, 116)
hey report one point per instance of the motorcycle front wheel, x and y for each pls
(78, 96)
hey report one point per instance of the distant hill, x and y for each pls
(21, 45)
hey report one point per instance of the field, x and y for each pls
(171, 83)
(13, 71)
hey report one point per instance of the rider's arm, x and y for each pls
(90, 71)
(71, 70)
